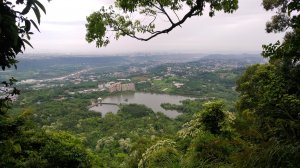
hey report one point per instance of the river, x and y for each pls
(150, 100)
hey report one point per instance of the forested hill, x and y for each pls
(37, 63)
(208, 128)
(246, 58)
(233, 56)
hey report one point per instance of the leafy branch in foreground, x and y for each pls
(15, 29)
(286, 19)
(15, 32)
(118, 20)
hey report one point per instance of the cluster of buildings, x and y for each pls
(117, 87)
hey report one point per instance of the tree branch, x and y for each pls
(164, 12)
(174, 25)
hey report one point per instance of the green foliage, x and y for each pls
(96, 29)
(162, 154)
(286, 53)
(117, 139)
(203, 85)
(106, 22)
(64, 150)
(265, 93)
(209, 150)
(268, 117)
(209, 139)
(263, 133)
(29, 147)
(212, 119)
(269, 103)
(15, 32)
(15, 29)
(135, 110)
(271, 154)
(213, 115)
(287, 14)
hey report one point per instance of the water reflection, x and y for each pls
(152, 101)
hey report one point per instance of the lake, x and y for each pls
(150, 100)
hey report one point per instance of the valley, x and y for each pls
(167, 95)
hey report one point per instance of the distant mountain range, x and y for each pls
(27, 62)
(232, 56)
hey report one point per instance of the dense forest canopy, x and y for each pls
(263, 132)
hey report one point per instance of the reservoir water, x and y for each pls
(150, 100)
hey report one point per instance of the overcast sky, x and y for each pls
(63, 32)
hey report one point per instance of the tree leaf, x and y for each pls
(37, 13)
(27, 8)
(17, 148)
(27, 42)
(40, 5)
(27, 25)
(35, 25)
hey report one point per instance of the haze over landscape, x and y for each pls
(63, 32)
